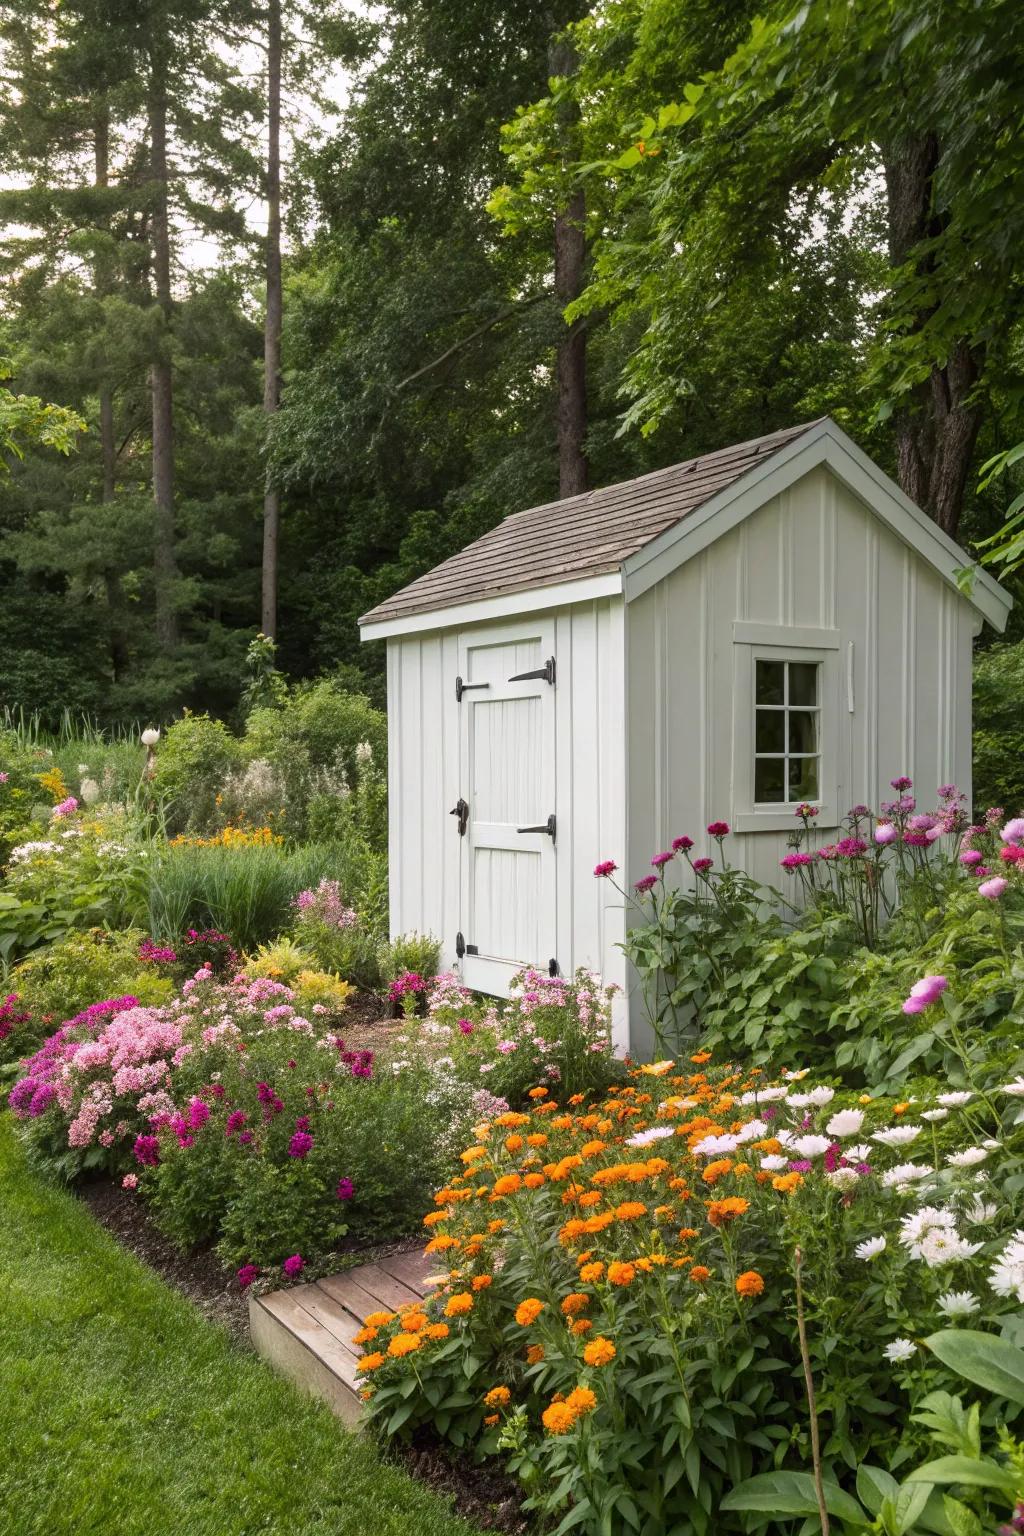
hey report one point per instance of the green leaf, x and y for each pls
(792, 1493)
(983, 1358)
(965, 1470)
(874, 1486)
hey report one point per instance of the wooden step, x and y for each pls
(307, 1331)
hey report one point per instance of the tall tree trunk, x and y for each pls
(570, 258)
(937, 430)
(160, 377)
(108, 445)
(272, 331)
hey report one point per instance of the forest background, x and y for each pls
(333, 291)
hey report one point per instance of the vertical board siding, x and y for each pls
(814, 557)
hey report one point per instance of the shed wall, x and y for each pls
(812, 559)
(590, 767)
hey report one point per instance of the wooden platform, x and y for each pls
(307, 1330)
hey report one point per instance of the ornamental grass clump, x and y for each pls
(617, 1285)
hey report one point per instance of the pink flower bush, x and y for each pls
(924, 993)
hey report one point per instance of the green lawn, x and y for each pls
(123, 1412)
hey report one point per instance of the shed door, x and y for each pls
(507, 760)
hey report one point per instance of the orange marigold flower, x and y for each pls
(440, 1244)
(581, 1400)
(600, 1222)
(619, 1273)
(511, 1118)
(513, 1143)
(403, 1344)
(365, 1335)
(685, 1233)
(592, 1148)
(534, 1180)
(378, 1319)
(498, 1397)
(630, 1210)
(599, 1351)
(900, 1109)
(414, 1321)
(496, 1225)
(529, 1310)
(490, 1419)
(563, 1123)
(459, 1304)
(576, 1301)
(572, 1230)
(645, 1264)
(786, 1183)
(535, 1354)
(558, 1419)
(371, 1362)
(700, 1057)
(481, 1282)
(577, 1098)
(432, 1218)
(749, 1283)
(437, 1331)
(537, 1139)
(721, 1212)
(591, 1272)
(537, 1093)
(591, 1198)
(472, 1153)
(714, 1171)
(507, 1184)
(581, 1325)
(700, 1272)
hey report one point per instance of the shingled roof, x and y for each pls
(579, 536)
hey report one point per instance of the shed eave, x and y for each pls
(501, 605)
(827, 444)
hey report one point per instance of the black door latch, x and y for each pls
(461, 810)
(548, 827)
(461, 688)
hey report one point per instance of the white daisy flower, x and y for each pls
(958, 1303)
(900, 1349)
(905, 1173)
(816, 1098)
(753, 1131)
(968, 1158)
(859, 1153)
(870, 1248)
(980, 1213)
(845, 1122)
(715, 1146)
(644, 1138)
(919, 1223)
(943, 1245)
(811, 1146)
(935, 1114)
(763, 1095)
(1006, 1277)
(954, 1100)
(898, 1135)
(1016, 1087)
(772, 1163)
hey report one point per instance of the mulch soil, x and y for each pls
(484, 1495)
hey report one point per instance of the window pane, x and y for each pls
(803, 682)
(803, 731)
(803, 778)
(770, 735)
(769, 682)
(769, 779)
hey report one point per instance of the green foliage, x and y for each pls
(64, 978)
(998, 703)
(416, 952)
(194, 759)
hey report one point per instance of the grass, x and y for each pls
(123, 1411)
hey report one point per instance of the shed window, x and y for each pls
(787, 731)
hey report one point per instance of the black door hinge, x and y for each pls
(461, 688)
(547, 826)
(461, 810)
(462, 948)
(547, 672)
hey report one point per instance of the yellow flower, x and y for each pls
(657, 1068)
(599, 1352)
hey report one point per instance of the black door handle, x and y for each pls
(548, 827)
(461, 810)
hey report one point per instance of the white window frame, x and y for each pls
(764, 642)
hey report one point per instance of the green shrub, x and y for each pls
(64, 978)
(193, 761)
(247, 892)
(416, 952)
(998, 737)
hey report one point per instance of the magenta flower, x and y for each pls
(235, 1121)
(147, 1151)
(245, 1138)
(247, 1274)
(661, 859)
(302, 1123)
(805, 810)
(465, 1026)
(198, 1114)
(701, 866)
(718, 829)
(851, 847)
(682, 844)
(301, 1144)
(66, 808)
(294, 1265)
(924, 993)
(916, 839)
(604, 869)
(971, 856)
(902, 783)
(796, 860)
(646, 884)
(993, 889)
(345, 1190)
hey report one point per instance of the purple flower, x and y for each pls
(604, 869)
(301, 1144)
(147, 1151)
(857, 811)
(247, 1274)
(646, 884)
(801, 1165)
(245, 1138)
(66, 808)
(294, 1265)
(345, 1190)
(41, 1100)
(302, 1123)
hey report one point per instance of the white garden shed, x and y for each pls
(720, 640)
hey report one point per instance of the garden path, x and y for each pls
(307, 1331)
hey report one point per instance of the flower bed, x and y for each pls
(619, 1312)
